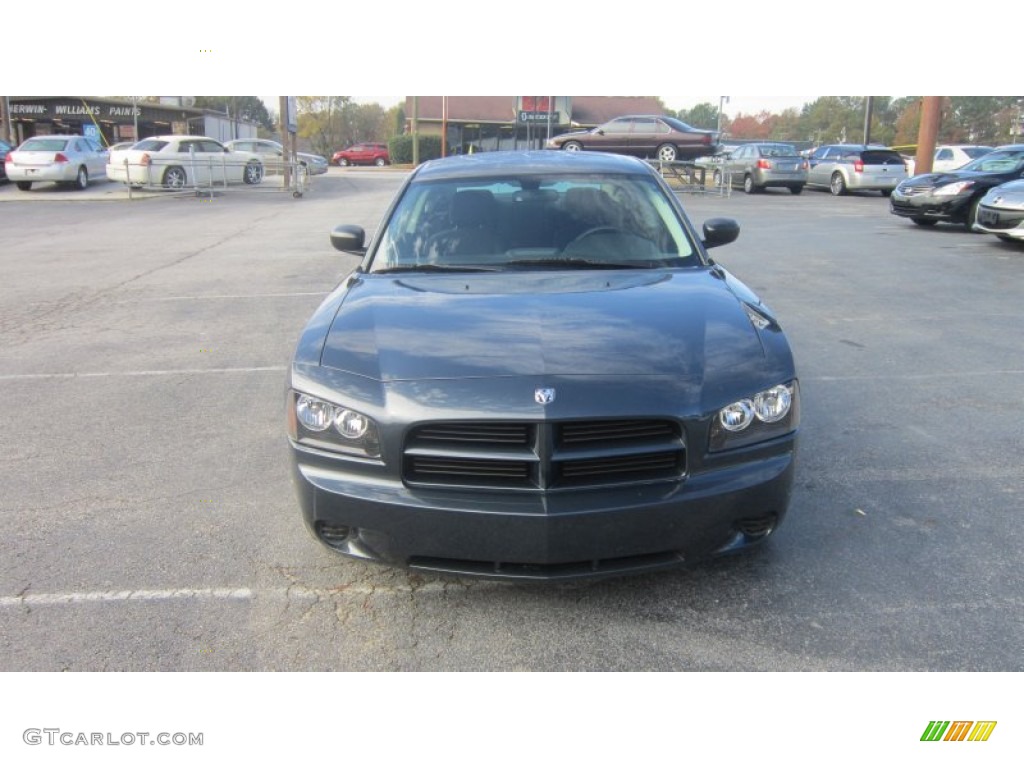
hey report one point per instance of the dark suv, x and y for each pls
(954, 195)
(843, 167)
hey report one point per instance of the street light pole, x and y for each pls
(722, 100)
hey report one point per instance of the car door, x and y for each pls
(818, 172)
(736, 162)
(94, 156)
(644, 137)
(613, 136)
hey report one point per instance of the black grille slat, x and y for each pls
(612, 431)
(541, 455)
(620, 465)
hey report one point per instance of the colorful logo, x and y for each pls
(958, 730)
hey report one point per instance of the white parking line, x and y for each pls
(113, 374)
(221, 593)
(142, 595)
(217, 297)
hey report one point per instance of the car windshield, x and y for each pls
(997, 162)
(534, 222)
(44, 145)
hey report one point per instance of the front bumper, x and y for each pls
(1000, 221)
(546, 535)
(927, 206)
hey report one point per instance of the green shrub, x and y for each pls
(400, 148)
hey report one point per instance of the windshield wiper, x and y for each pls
(434, 268)
(578, 263)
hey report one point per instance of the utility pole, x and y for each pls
(867, 119)
(285, 132)
(415, 131)
(931, 118)
(5, 120)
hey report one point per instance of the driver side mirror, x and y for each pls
(720, 232)
(349, 238)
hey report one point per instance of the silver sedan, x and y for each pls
(1001, 212)
(73, 160)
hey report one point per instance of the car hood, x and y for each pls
(949, 177)
(1009, 195)
(635, 322)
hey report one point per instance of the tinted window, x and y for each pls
(618, 126)
(150, 145)
(880, 157)
(777, 150)
(974, 152)
(678, 125)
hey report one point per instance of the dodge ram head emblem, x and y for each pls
(544, 396)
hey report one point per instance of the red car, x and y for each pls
(367, 153)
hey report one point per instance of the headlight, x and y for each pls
(953, 189)
(768, 414)
(320, 424)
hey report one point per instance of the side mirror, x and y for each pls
(349, 238)
(720, 232)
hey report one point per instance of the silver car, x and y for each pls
(1001, 212)
(73, 160)
(272, 153)
(843, 167)
(756, 166)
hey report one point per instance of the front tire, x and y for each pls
(667, 153)
(886, 192)
(797, 189)
(972, 214)
(342, 162)
(24, 186)
(572, 146)
(379, 162)
(837, 185)
(82, 179)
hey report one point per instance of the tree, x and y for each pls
(248, 108)
(320, 122)
(704, 115)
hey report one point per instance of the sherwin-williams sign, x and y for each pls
(958, 730)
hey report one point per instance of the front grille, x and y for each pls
(999, 219)
(907, 189)
(544, 455)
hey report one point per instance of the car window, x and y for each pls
(880, 157)
(210, 146)
(618, 126)
(508, 222)
(150, 145)
(973, 152)
(944, 154)
(777, 150)
(1000, 161)
(644, 125)
(44, 145)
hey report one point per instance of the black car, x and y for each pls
(537, 372)
(954, 196)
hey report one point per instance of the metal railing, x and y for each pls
(704, 176)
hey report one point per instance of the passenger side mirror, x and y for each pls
(349, 238)
(720, 232)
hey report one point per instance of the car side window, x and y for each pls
(618, 126)
(944, 154)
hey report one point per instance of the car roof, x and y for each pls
(530, 162)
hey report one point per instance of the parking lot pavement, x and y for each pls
(148, 522)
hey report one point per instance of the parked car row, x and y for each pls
(176, 162)
(984, 195)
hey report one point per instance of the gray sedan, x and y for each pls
(70, 160)
(272, 153)
(757, 166)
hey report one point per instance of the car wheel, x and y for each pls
(342, 161)
(748, 184)
(797, 189)
(253, 173)
(572, 146)
(972, 214)
(379, 162)
(82, 179)
(24, 186)
(667, 153)
(886, 192)
(923, 222)
(837, 185)
(175, 178)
